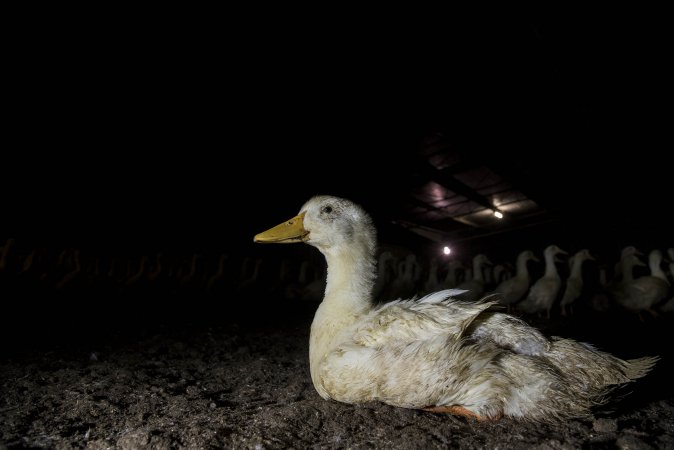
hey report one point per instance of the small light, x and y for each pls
(498, 214)
(446, 250)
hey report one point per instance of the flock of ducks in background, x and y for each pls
(518, 291)
(631, 284)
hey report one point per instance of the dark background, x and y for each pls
(196, 136)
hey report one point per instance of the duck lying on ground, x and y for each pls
(435, 353)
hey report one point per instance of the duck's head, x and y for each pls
(528, 255)
(580, 256)
(586, 255)
(633, 261)
(327, 223)
(630, 250)
(553, 251)
(482, 260)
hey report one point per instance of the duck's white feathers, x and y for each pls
(438, 351)
(397, 353)
(413, 320)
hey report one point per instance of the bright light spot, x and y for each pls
(446, 250)
(498, 214)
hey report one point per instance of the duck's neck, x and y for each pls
(550, 268)
(348, 296)
(576, 268)
(351, 276)
(522, 271)
(628, 270)
(654, 265)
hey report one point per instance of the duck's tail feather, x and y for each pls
(594, 370)
(637, 368)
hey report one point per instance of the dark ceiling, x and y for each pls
(559, 125)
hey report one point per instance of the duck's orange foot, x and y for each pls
(459, 411)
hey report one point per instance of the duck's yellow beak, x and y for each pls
(288, 232)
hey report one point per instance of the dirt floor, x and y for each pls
(207, 377)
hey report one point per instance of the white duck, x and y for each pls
(624, 253)
(512, 290)
(617, 289)
(501, 273)
(436, 353)
(451, 278)
(544, 291)
(644, 293)
(474, 286)
(574, 283)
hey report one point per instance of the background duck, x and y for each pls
(644, 293)
(573, 288)
(501, 273)
(475, 286)
(452, 277)
(544, 292)
(624, 254)
(513, 289)
(436, 353)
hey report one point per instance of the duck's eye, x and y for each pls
(327, 209)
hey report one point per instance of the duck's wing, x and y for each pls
(416, 320)
(541, 295)
(506, 286)
(508, 332)
(511, 290)
(438, 314)
(647, 290)
(546, 288)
